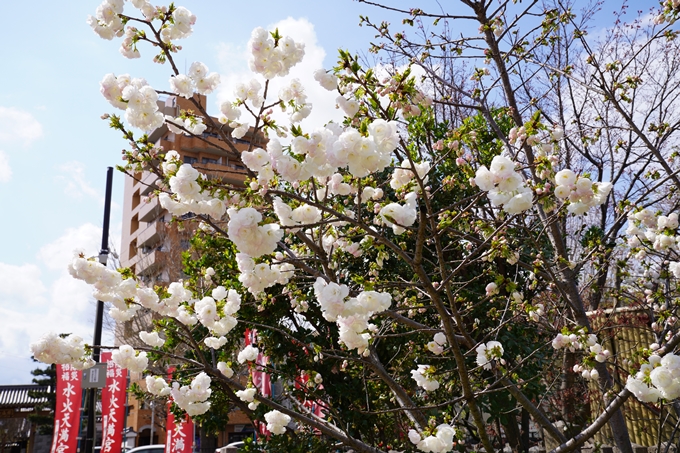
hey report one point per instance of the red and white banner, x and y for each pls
(180, 436)
(113, 406)
(67, 414)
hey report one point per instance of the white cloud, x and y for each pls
(70, 300)
(57, 254)
(234, 62)
(33, 303)
(68, 310)
(18, 126)
(21, 285)
(75, 184)
(5, 169)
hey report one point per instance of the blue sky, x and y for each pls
(54, 148)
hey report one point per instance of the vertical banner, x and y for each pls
(113, 406)
(67, 414)
(180, 436)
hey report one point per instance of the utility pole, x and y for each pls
(90, 405)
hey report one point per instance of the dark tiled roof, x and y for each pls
(17, 395)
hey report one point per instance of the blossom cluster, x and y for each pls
(191, 123)
(440, 441)
(257, 277)
(136, 97)
(276, 421)
(157, 386)
(193, 398)
(489, 352)
(302, 215)
(248, 354)
(181, 26)
(436, 346)
(225, 369)
(504, 186)
(273, 58)
(109, 286)
(327, 80)
(51, 348)
(351, 315)
(652, 229)
(208, 315)
(659, 378)
(399, 216)
(151, 338)
(581, 192)
(403, 174)
(582, 341)
(106, 22)
(294, 95)
(248, 396)
(423, 377)
(249, 237)
(198, 79)
(187, 196)
(126, 357)
(325, 151)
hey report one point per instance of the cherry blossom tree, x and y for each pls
(431, 274)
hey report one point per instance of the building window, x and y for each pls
(135, 199)
(205, 160)
(190, 160)
(133, 249)
(134, 224)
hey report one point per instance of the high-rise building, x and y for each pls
(149, 246)
(152, 245)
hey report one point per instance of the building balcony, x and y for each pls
(131, 262)
(150, 210)
(231, 173)
(149, 263)
(150, 236)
